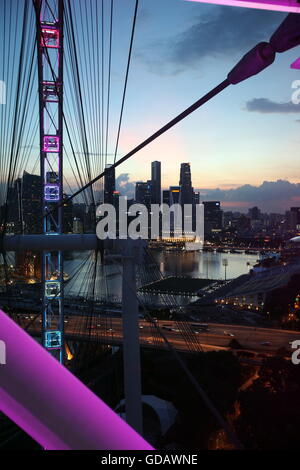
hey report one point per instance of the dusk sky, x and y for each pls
(246, 135)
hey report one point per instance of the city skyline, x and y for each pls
(222, 149)
(241, 137)
(272, 196)
(174, 69)
(169, 319)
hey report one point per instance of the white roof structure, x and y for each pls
(295, 240)
(165, 410)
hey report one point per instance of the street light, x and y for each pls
(225, 264)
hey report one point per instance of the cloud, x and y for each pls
(217, 32)
(266, 106)
(230, 30)
(125, 186)
(270, 196)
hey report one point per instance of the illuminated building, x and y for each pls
(213, 217)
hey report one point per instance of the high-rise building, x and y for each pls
(196, 201)
(29, 264)
(293, 218)
(156, 182)
(116, 197)
(25, 204)
(175, 222)
(32, 203)
(185, 183)
(174, 195)
(109, 184)
(67, 215)
(196, 197)
(187, 195)
(166, 197)
(143, 193)
(79, 213)
(213, 217)
(254, 213)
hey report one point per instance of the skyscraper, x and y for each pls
(175, 217)
(213, 217)
(293, 218)
(187, 195)
(67, 215)
(156, 182)
(185, 182)
(109, 184)
(166, 197)
(174, 195)
(254, 213)
(25, 204)
(143, 193)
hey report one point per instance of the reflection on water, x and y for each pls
(204, 265)
(108, 281)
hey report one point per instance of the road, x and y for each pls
(108, 330)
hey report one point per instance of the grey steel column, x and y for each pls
(131, 345)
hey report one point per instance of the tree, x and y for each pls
(269, 409)
(219, 374)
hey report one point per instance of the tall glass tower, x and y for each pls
(185, 182)
(156, 182)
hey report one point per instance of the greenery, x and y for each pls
(219, 374)
(269, 409)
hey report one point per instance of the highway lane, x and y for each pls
(217, 336)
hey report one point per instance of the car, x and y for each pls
(227, 333)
